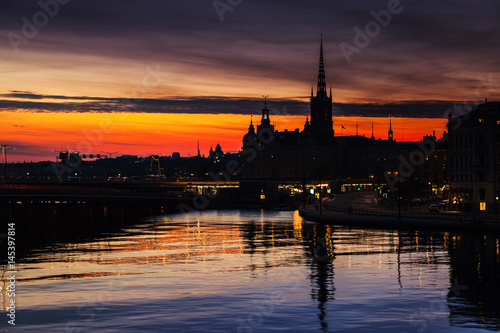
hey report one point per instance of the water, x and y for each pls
(253, 271)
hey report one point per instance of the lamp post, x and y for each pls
(5, 148)
(110, 153)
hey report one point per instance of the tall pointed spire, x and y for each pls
(321, 73)
(321, 104)
(373, 137)
(265, 112)
(391, 134)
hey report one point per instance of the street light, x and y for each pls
(63, 154)
(4, 158)
(110, 154)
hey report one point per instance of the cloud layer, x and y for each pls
(428, 51)
(214, 105)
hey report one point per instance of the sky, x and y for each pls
(167, 74)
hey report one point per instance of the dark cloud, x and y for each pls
(216, 105)
(29, 95)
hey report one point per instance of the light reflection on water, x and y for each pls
(253, 271)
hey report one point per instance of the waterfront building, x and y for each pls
(314, 152)
(474, 158)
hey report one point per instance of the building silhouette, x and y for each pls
(474, 158)
(314, 152)
(321, 104)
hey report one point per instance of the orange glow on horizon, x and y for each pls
(35, 134)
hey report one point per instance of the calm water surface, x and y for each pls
(253, 271)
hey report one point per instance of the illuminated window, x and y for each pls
(482, 205)
(481, 120)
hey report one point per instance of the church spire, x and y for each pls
(265, 112)
(265, 122)
(251, 129)
(307, 125)
(391, 134)
(321, 105)
(321, 73)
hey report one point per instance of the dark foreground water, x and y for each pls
(252, 271)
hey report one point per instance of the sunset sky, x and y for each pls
(157, 76)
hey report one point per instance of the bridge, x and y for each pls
(84, 207)
(105, 199)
